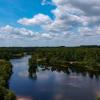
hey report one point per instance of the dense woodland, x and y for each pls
(80, 59)
(84, 58)
(5, 73)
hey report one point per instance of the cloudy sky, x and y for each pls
(49, 22)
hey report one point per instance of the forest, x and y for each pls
(5, 73)
(80, 59)
(14, 52)
(84, 58)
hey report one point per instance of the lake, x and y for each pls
(49, 84)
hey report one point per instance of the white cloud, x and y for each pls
(86, 31)
(77, 18)
(67, 14)
(97, 30)
(12, 32)
(9, 32)
(19, 31)
(39, 19)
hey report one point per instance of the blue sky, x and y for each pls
(12, 10)
(49, 22)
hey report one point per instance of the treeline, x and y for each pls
(5, 73)
(86, 57)
(14, 52)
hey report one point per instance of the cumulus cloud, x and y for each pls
(69, 15)
(86, 12)
(90, 7)
(10, 32)
(39, 19)
(13, 32)
(73, 20)
(86, 31)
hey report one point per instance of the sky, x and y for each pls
(49, 22)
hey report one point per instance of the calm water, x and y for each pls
(51, 85)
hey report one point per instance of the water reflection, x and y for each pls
(44, 82)
(32, 72)
(81, 70)
(23, 74)
(24, 98)
(33, 69)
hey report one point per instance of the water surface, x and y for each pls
(48, 84)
